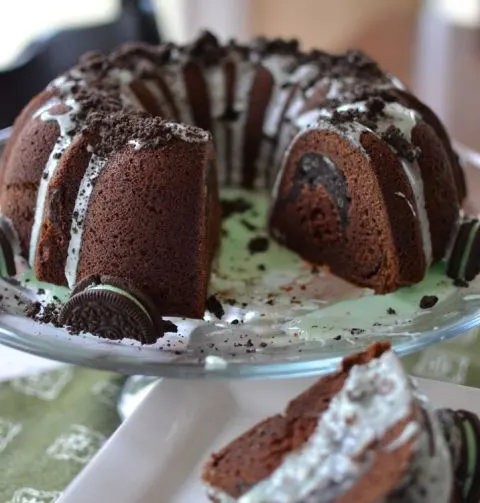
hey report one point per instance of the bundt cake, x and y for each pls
(111, 172)
(362, 434)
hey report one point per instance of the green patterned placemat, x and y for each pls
(51, 425)
(456, 361)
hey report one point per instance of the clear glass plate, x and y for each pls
(282, 318)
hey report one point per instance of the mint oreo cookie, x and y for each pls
(109, 308)
(7, 251)
(462, 432)
(463, 263)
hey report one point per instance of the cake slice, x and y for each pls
(135, 198)
(362, 434)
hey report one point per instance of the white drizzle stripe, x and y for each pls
(215, 78)
(278, 66)
(467, 250)
(244, 75)
(174, 78)
(300, 76)
(54, 100)
(66, 124)
(127, 95)
(374, 398)
(289, 125)
(146, 67)
(410, 205)
(94, 168)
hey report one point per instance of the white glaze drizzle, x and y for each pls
(310, 82)
(174, 78)
(244, 75)
(454, 234)
(301, 76)
(405, 198)
(304, 76)
(94, 168)
(215, 77)
(278, 65)
(145, 67)
(396, 82)
(125, 78)
(66, 125)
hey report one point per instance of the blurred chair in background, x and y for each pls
(46, 58)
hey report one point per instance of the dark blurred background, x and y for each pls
(432, 45)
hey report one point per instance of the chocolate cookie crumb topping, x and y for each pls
(232, 206)
(258, 245)
(394, 137)
(428, 301)
(215, 307)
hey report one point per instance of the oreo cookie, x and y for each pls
(7, 248)
(110, 308)
(462, 432)
(463, 262)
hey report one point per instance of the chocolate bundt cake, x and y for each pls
(362, 434)
(363, 176)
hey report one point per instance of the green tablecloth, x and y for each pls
(53, 423)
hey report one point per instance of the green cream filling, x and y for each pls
(467, 251)
(472, 451)
(110, 288)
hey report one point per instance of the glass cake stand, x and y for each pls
(281, 317)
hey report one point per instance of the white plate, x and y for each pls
(156, 456)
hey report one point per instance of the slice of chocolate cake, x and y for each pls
(139, 204)
(362, 434)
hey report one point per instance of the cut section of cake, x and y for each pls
(362, 434)
(366, 189)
